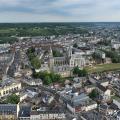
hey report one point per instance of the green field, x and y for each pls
(103, 67)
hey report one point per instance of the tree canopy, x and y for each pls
(56, 53)
(115, 57)
(79, 72)
(48, 78)
(93, 94)
(13, 99)
(34, 60)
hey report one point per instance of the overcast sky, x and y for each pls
(59, 10)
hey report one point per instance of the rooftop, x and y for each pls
(7, 82)
(8, 108)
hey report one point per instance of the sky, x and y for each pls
(59, 11)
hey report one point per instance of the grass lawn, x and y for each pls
(103, 67)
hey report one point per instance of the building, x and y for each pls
(101, 54)
(118, 115)
(9, 111)
(4, 48)
(32, 82)
(115, 45)
(105, 93)
(47, 115)
(23, 96)
(24, 112)
(107, 109)
(8, 86)
(63, 65)
(77, 82)
(90, 88)
(81, 103)
(116, 101)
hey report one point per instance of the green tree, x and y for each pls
(48, 77)
(56, 53)
(82, 73)
(93, 94)
(52, 76)
(58, 78)
(47, 80)
(13, 99)
(35, 62)
(76, 70)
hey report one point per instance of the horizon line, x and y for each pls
(61, 22)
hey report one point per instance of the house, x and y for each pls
(77, 82)
(89, 88)
(23, 96)
(101, 54)
(24, 113)
(32, 82)
(104, 82)
(9, 111)
(104, 93)
(80, 103)
(118, 115)
(108, 109)
(116, 101)
(115, 45)
(8, 86)
(31, 93)
(47, 98)
(47, 115)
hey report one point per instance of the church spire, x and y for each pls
(51, 52)
(70, 51)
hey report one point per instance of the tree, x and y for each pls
(93, 94)
(31, 50)
(47, 77)
(56, 53)
(76, 70)
(82, 73)
(35, 62)
(47, 80)
(57, 78)
(13, 99)
(115, 57)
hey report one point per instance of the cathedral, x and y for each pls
(64, 65)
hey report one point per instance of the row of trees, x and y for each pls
(79, 72)
(35, 62)
(47, 78)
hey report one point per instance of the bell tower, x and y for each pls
(51, 59)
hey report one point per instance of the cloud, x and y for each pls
(59, 10)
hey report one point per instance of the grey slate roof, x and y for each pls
(8, 109)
